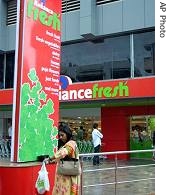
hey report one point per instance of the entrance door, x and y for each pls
(80, 121)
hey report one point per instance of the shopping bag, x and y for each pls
(42, 183)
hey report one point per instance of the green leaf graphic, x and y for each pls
(37, 131)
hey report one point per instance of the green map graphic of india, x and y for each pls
(37, 135)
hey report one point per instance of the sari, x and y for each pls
(66, 185)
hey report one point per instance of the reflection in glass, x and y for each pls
(9, 76)
(109, 58)
(90, 61)
(144, 52)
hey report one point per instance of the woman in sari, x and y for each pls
(65, 185)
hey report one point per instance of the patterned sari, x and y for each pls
(66, 185)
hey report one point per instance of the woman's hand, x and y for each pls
(50, 160)
(47, 160)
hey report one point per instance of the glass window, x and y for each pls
(1, 71)
(144, 54)
(9, 76)
(98, 60)
(142, 129)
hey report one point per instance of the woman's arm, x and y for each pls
(61, 153)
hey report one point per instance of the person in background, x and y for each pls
(74, 134)
(67, 185)
(134, 134)
(10, 129)
(80, 134)
(85, 135)
(96, 138)
(144, 134)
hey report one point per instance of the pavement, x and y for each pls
(134, 177)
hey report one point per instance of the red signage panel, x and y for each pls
(36, 89)
(113, 89)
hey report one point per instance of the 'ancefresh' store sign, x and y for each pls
(131, 88)
(95, 91)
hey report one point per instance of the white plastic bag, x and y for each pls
(42, 184)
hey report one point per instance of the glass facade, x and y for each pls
(108, 58)
(9, 74)
(144, 54)
(7, 62)
(90, 61)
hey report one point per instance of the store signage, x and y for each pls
(95, 92)
(36, 91)
(106, 89)
(39, 12)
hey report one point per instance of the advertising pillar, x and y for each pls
(37, 72)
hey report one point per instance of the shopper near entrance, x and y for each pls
(80, 134)
(96, 138)
(67, 185)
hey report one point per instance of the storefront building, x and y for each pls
(108, 52)
(108, 56)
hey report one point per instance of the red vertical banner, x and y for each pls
(37, 72)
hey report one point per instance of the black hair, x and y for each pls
(65, 128)
(95, 125)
